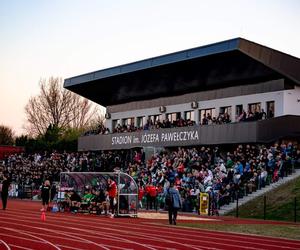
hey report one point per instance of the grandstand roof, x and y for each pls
(223, 64)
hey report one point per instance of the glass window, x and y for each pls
(224, 110)
(155, 118)
(254, 107)
(189, 115)
(173, 116)
(270, 109)
(140, 121)
(207, 113)
(238, 110)
(128, 121)
(115, 123)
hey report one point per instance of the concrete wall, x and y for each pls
(291, 104)
(242, 132)
(244, 100)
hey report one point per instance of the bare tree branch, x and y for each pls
(58, 107)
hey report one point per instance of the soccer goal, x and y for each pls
(127, 189)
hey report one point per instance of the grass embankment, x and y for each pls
(280, 204)
(282, 231)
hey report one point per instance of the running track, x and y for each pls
(21, 228)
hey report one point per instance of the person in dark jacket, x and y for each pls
(4, 191)
(175, 202)
(45, 194)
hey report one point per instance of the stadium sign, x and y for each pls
(241, 132)
(149, 138)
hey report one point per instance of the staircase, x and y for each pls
(228, 208)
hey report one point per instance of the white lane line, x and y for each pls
(118, 247)
(4, 243)
(213, 238)
(175, 238)
(28, 234)
(76, 237)
(25, 248)
(112, 235)
(117, 238)
(75, 248)
(209, 234)
(133, 235)
(21, 238)
(141, 236)
(155, 238)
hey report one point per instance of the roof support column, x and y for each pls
(182, 115)
(196, 116)
(108, 124)
(233, 113)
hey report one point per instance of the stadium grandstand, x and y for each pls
(221, 119)
(247, 92)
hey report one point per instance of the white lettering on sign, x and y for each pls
(149, 138)
(179, 136)
(127, 139)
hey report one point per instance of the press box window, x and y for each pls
(270, 109)
(207, 112)
(128, 121)
(224, 110)
(140, 121)
(155, 118)
(254, 107)
(173, 116)
(189, 115)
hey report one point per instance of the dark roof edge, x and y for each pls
(283, 63)
(197, 52)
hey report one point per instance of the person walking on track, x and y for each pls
(173, 202)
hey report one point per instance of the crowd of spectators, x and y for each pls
(254, 116)
(221, 119)
(150, 124)
(101, 129)
(207, 119)
(222, 173)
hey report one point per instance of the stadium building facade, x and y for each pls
(227, 77)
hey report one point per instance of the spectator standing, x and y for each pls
(45, 195)
(112, 193)
(4, 191)
(174, 202)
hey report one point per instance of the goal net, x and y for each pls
(127, 189)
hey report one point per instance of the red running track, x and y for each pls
(21, 228)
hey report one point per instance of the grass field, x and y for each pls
(279, 206)
(282, 231)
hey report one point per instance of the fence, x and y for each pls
(21, 191)
(271, 208)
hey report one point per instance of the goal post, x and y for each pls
(127, 189)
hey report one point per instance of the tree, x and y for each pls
(6, 135)
(21, 140)
(57, 107)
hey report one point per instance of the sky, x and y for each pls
(65, 38)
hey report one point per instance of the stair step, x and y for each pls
(228, 208)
